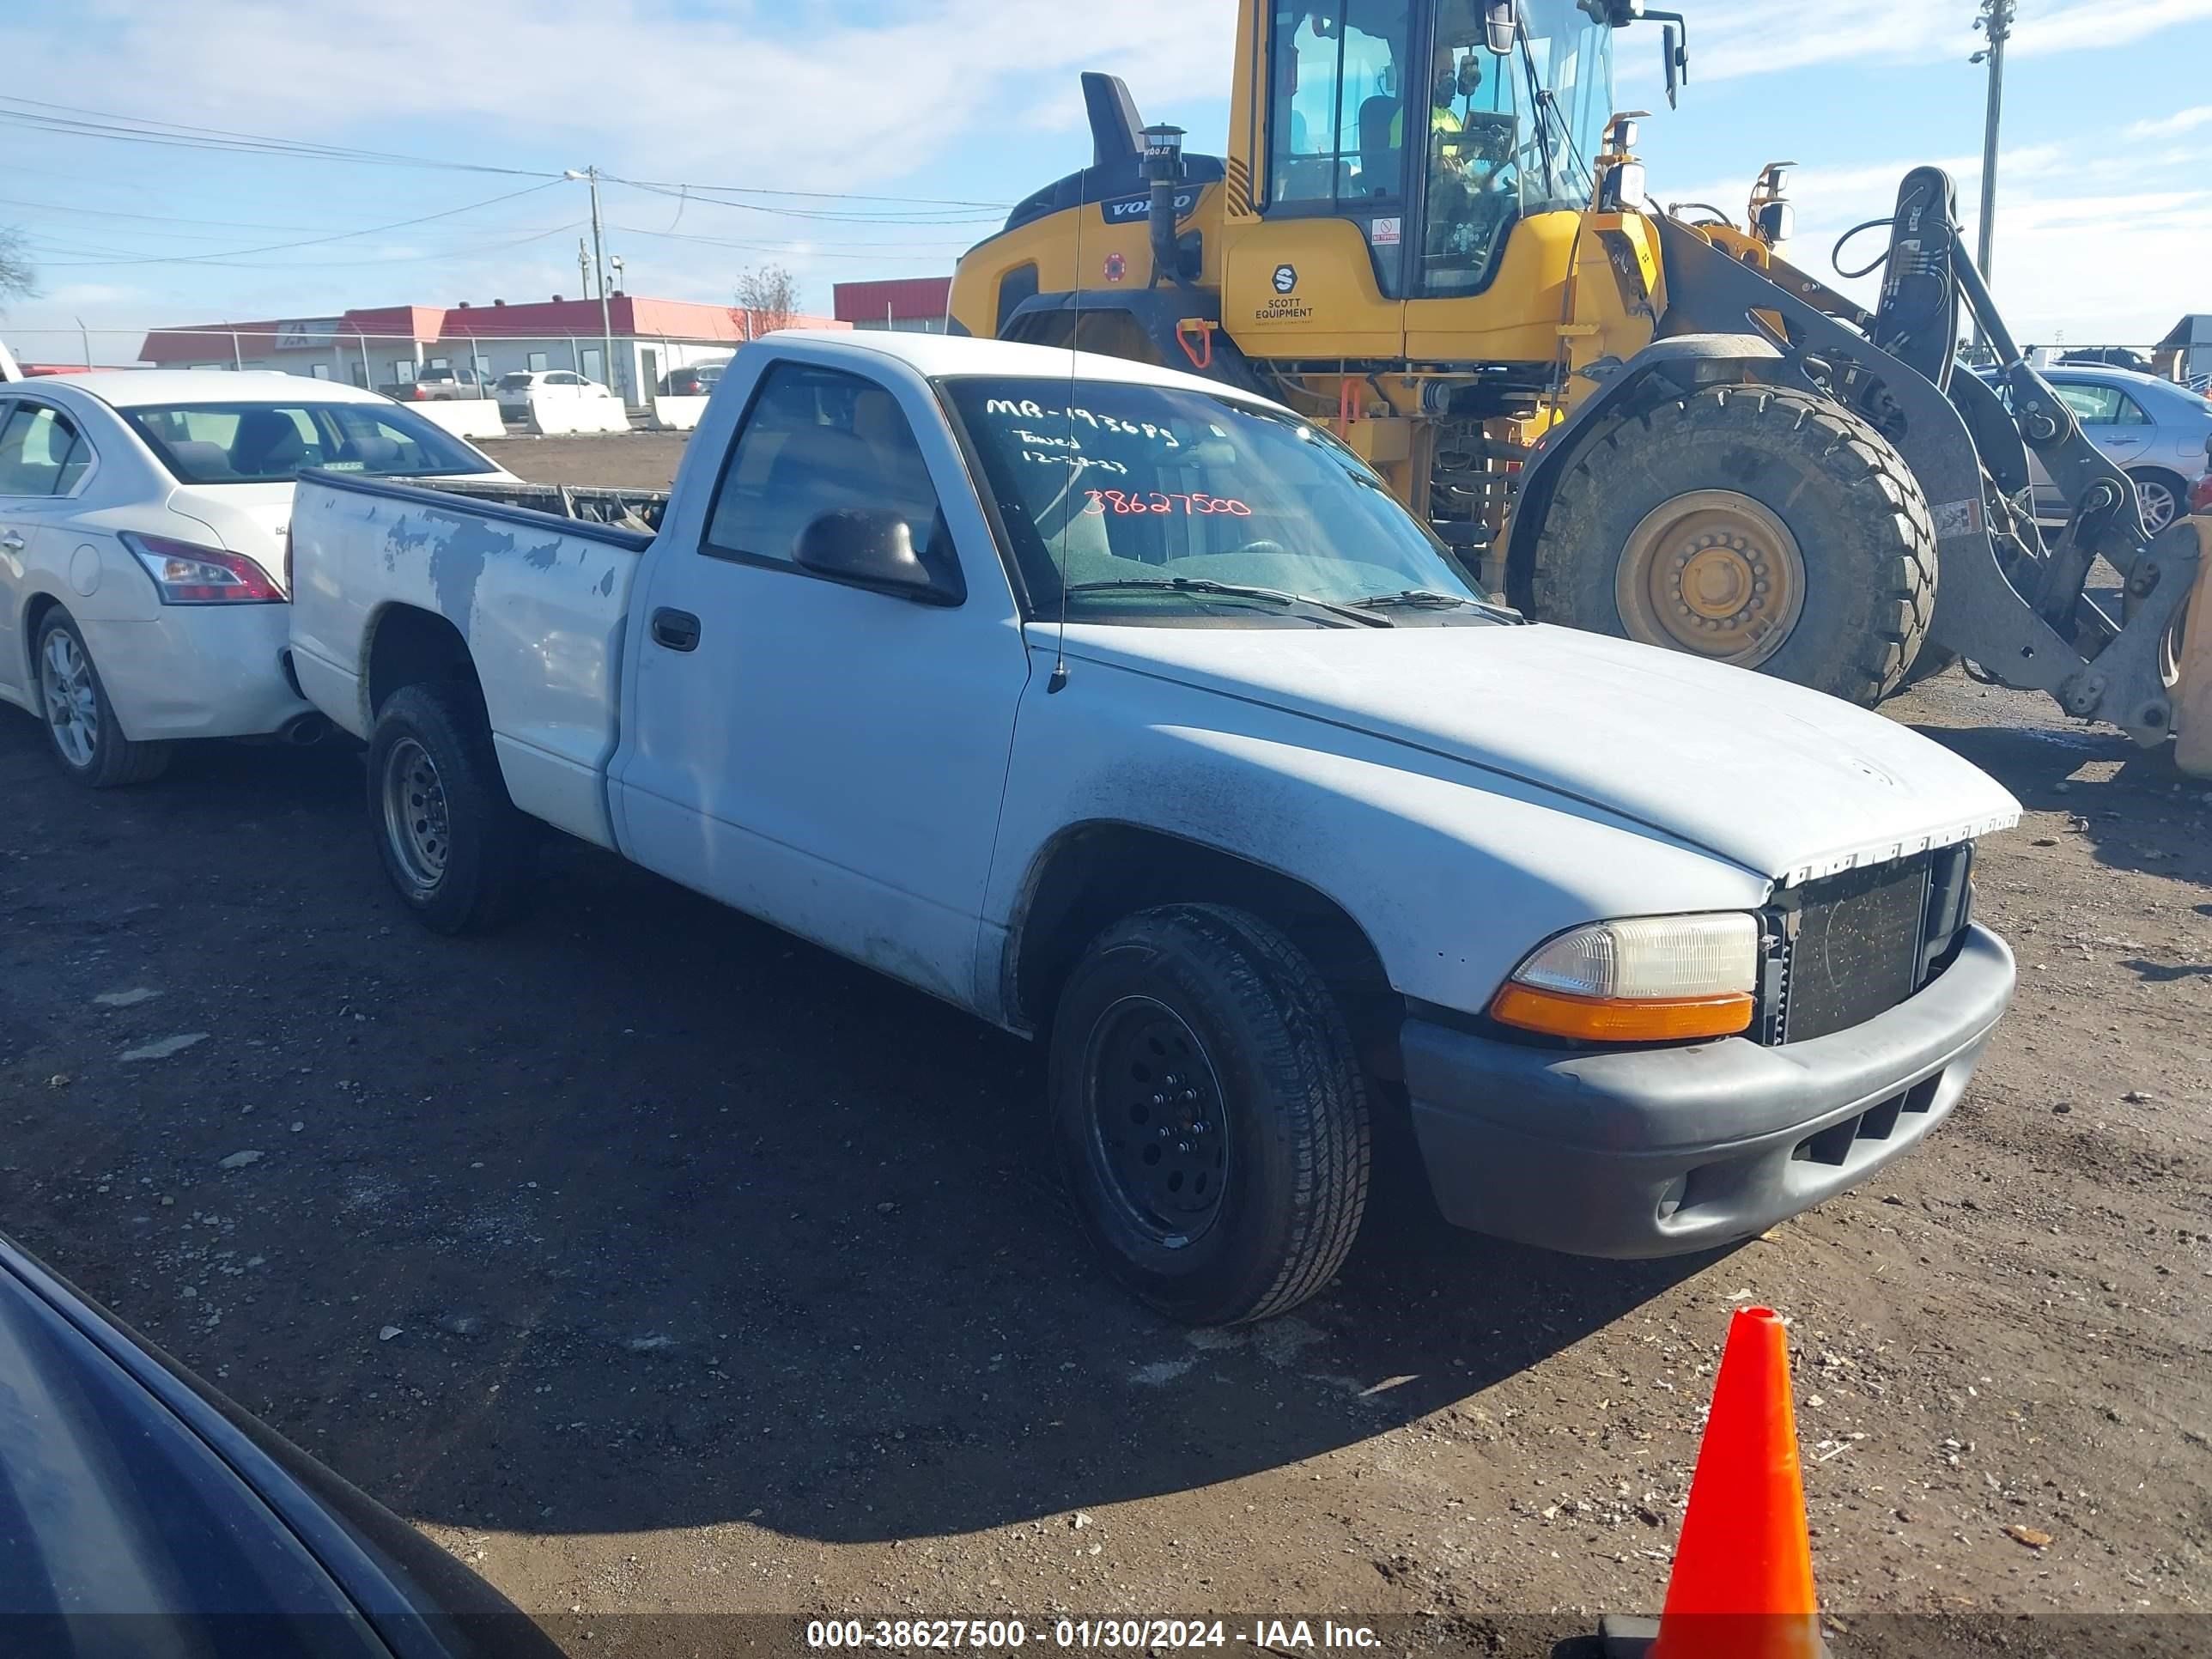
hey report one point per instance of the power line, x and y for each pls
(317, 242)
(80, 121)
(448, 257)
(881, 252)
(670, 187)
(107, 124)
(692, 193)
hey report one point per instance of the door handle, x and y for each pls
(676, 630)
(12, 542)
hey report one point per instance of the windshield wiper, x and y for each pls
(1233, 590)
(1429, 598)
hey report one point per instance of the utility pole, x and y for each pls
(591, 175)
(1995, 21)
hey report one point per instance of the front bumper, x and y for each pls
(1655, 1153)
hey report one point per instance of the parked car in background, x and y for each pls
(1647, 954)
(432, 386)
(513, 390)
(695, 381)
(143, 519)
(2153, 429)
(147, 1513)
(2107, 357)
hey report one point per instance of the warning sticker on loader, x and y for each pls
(1956, 519)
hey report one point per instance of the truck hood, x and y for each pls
(1780, 780)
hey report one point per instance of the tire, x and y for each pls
(1270, 1139)
(1832, 582)
(2154, 485)
(80, 721)
(458, 854)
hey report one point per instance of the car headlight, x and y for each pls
(1650, 979)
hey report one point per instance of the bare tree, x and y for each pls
(768, 297)
(17, 279)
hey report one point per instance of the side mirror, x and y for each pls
(872, 547)
(1773, 221)
(1501, 26)
(1670, 48)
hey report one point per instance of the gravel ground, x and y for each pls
(653, 1261)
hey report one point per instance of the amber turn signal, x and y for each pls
(1610, 1019)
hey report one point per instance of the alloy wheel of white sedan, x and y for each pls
(72, 706)
(79, 718)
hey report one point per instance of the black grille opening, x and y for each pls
(1857, 946)
(1832, 1145)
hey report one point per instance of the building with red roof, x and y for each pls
(914, 304)
(386, 347)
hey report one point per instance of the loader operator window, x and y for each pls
(1338, 72)
(1156, 506)
(1508, 135)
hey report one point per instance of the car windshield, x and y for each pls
(268, 443)
(519, 380)
(1147, 502)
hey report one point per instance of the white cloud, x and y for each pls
(1744, 39)
(2187, 120)
(2082, 250)
(760, 93)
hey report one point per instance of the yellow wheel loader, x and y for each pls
(1430, 233)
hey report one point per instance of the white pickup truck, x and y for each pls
(1124, 710)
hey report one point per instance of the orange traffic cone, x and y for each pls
(1743, 1584)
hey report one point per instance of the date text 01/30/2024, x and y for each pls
(1126, 1635)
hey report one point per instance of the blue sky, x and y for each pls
(2104, 220)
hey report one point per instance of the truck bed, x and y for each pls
(539, 599)
(625, 509)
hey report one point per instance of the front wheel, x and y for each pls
(1751, 525)
(455, 849)
(1209, 1114)
(79, 721)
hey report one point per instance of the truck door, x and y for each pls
(827, 757)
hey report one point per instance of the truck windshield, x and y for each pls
(1147, 502)
(268, 443)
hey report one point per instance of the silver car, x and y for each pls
(2153, 428)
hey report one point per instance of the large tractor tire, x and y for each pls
(1751, 525)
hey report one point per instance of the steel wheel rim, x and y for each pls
(72, 706)
(1159, 1128)
(417, 823)
(2157, 503)
(1713, 573)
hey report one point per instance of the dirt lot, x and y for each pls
(652, 1262)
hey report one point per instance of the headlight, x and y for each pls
(1652, 979)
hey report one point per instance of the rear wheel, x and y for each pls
(1756, 526)
(455, 849)
(2160, 495)
(81, 724)
(1210, 1114)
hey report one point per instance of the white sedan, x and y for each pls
(516, 390)
(142, 580)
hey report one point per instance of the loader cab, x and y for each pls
(1395, 119)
